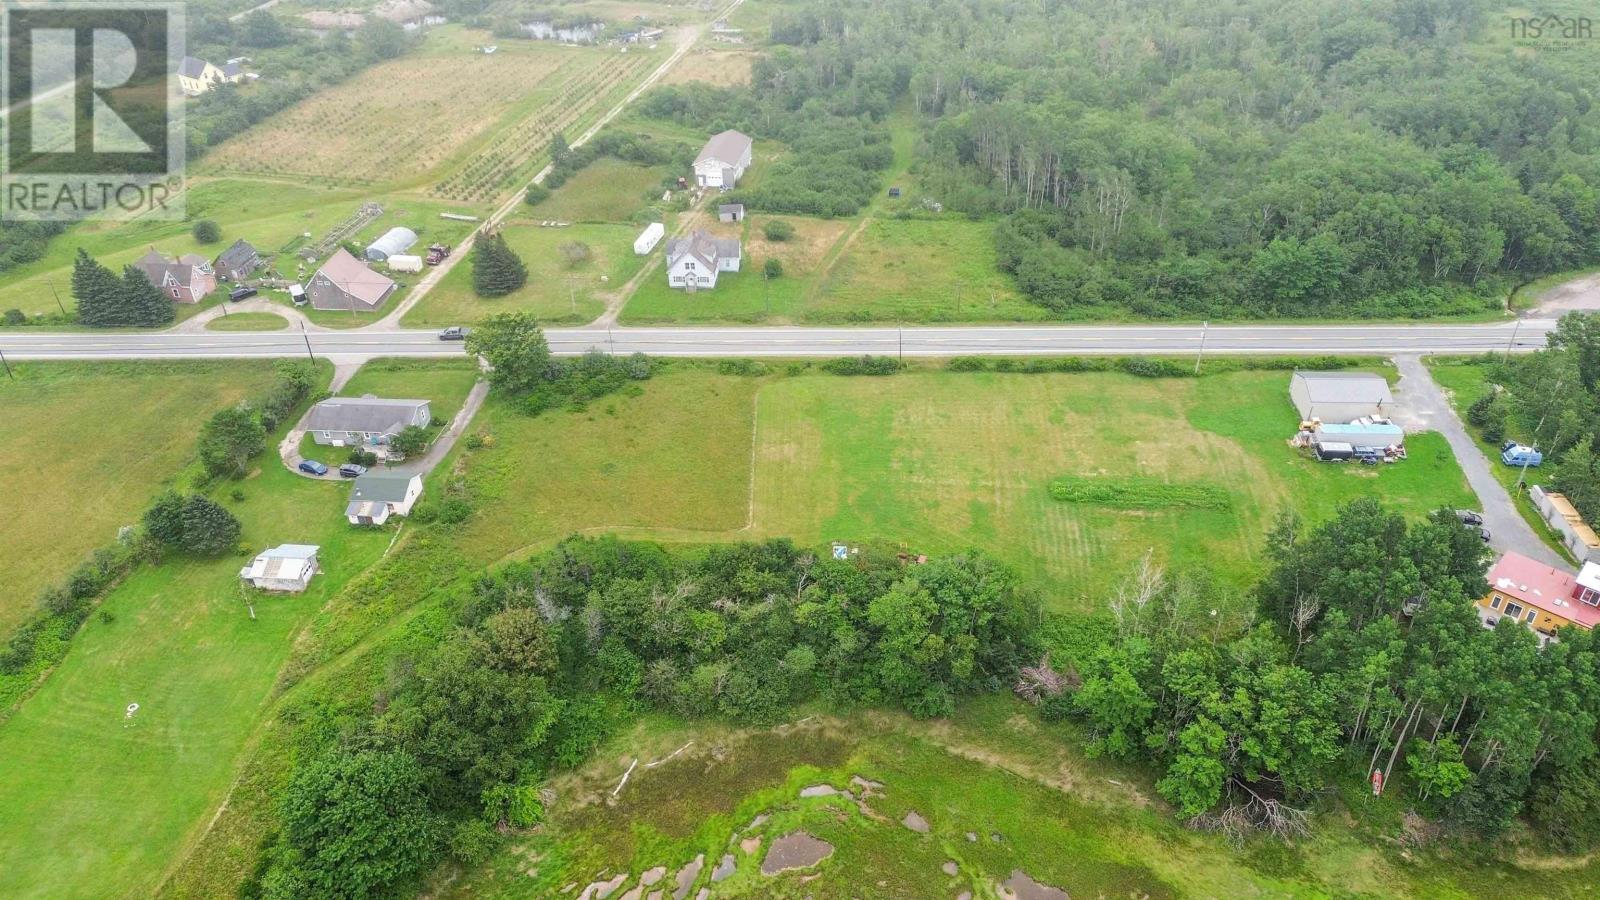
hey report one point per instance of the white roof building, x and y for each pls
(286, 567)
(722, 161)
(1340, 396)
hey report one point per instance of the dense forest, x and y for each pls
(1233, 158)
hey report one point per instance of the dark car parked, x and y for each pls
(352, 470)
(1468, 517)
(313, 467)
(241, 293)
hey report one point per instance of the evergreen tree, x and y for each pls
(496, 269)
(142, 303)
(208, 528)
(96, 292)
(163, 521)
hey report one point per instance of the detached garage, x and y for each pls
(1340, 396)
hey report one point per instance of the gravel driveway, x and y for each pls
(1426, 408)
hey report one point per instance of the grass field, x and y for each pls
(84, 450)
(746, 295)
(555, 292)
(606, 190)
(248, 321)
(98, 803)
(95, 802)
(398, 121)
(936, 462)
(993, 771)
(720, 68)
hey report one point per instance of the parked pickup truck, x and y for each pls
(454, 333)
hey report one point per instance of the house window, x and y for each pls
(174, 293)
(1495, 603)
(1513, 610)
(1590, 596)
(1531, 614)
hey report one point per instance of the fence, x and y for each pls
(1577, 535)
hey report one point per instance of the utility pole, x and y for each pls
(7, 366)
(58, 298)
(572, 295)
(1204, 328)
(1511, 343)
(1537, 429)
(611, 341)
(900, 335)
(307, 338)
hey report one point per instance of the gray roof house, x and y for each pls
(378, 495)
(694, 262)
(395, 240)
(345, 282)
(1340, 396)
(723, 159)
(370, 421)
(238, 262)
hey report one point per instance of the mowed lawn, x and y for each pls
(555, 292)
(85, 448)
(935, 462)
(95, 802)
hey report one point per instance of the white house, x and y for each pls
(722, 161)
(196, 76)
(286, 567)
(378, 495)
(648, 238)
(694, 262)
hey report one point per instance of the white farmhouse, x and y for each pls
(286, 567)
(694, 262)
(378, 495)
(722, 161)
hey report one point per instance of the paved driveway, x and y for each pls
(1426, 408)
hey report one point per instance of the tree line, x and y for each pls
(1368, 656)
(1551, 399)
(1382, 159)
(547, 657)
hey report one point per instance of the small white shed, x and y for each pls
(286, 567)
(403, 263)
(649, 238)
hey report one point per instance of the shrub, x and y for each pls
(206, 231)
(862, 365)
(16, 317)
(363, 457)
(772, 268)
(746, 367)
(1146, 367)
(778, 230)
(1138, 492)
(535, 194)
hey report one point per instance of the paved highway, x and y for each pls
(355, 346)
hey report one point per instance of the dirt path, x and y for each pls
(1579, 294)
(693, 218)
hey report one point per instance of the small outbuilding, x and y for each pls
(730, 212)
(378, 495)
(286, 567)
(402, 263)
(649, 238)
(1340, 396)
(395, 240)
